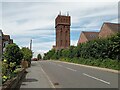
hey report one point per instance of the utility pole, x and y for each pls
(31, 44)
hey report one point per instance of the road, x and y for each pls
(52, 74)
(64, 75)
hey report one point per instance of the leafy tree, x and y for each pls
(39, 56)
(98, 49)
(13, 54)
(49, 54)
(27, 54)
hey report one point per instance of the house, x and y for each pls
(4, 40)
(106, 30)
(11, 41)
(1, 50)
(109, 29)
(87, 36)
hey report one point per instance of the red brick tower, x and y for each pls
(62, 25)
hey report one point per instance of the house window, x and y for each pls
(93, 35)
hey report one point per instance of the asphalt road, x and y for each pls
(63, 75)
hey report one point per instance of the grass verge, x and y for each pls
(104, 63)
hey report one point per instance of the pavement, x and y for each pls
(52, 74)
(35, 78)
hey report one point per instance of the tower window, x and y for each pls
(61, 33)
(61, 43)
(66, 20)
(68, 28)
(66, 33)
(66, 43)
(61, 20)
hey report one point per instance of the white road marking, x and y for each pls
(71, 69)
(67, 67)
(48, 78)
(96, 78)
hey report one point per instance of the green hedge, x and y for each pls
(100, 52)
(104, 63)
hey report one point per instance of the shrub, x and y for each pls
(13, 54)
(100, 52)
(39, 56)
(27, 54)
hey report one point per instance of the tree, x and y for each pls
(39, 56)
(13, 54)
(27, 54)
(49, 54)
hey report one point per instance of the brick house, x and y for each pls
(4, 40)
(62, 26)
(11, 41)
(109, 29)
(87, 36)
(1, 50)
(106, 30)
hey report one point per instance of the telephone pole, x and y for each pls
(31, 44)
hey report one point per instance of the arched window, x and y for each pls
(61, 27)
(66, 43)
(61, 43)
(66, 33)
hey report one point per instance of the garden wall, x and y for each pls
(13, 83)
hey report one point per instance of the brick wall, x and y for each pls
(105, 31)
(82, 38)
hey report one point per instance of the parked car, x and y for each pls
(34, 59)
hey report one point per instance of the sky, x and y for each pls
(25, 20)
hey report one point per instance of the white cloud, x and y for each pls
(74, 42)
(114, 20)
(60, 1)
(26, 20)
(42, 47)
(0, 15)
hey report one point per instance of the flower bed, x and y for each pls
(14, 82)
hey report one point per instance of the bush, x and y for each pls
(12, 60)
(27, 55)
(39, 56)
(13, 54)
(100, 52)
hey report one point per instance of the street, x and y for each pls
(73, 76)
(52, 74)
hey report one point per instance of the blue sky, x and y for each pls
(36, 20)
